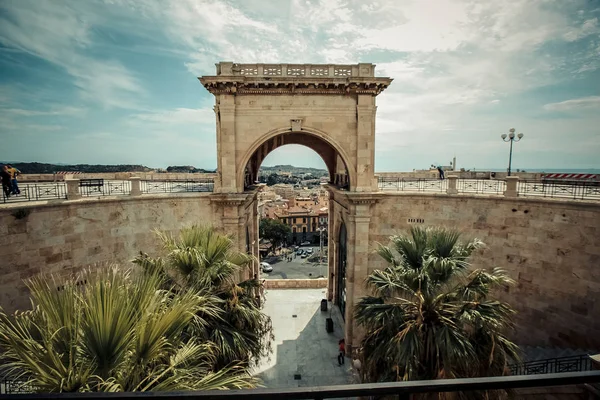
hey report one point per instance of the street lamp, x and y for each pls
(511, 138)
(321, 230)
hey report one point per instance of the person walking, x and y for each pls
(342, 354)
(13, 179)
(6, 181)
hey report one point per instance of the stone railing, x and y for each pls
(511, 186)
(72, 189)
(296, 70)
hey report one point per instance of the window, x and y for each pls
(294, 229)
(303, 220)
(304, 229)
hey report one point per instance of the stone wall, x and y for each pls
(295, 283)
(63, 237)
(550, 247)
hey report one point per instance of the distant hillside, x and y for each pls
(294, 170)
(44, 168)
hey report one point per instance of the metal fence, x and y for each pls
(377, 390)
(107, 188)
(553, 365)
(491, 186)
(584, 190)
(412, 185)
(38, 191)
(197, 185)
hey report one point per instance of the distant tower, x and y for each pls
(454, 164)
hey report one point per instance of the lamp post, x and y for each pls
(321, 230)
(511, 138)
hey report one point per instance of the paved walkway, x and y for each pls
(302, 346)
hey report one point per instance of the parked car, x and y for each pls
(305, 244)
(299, 252)
(309, 251)
(266, 267)
(304, 255)
(296, 248)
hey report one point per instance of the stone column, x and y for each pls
(135, 186)
(452, 184)
(357, 265)
(226, 167)
(73, 189)
(511, 186)
(331, 249)
(365, 144)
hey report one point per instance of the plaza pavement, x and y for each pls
(302, 346)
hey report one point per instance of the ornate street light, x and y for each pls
(511, 138)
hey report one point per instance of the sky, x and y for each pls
(115, 81)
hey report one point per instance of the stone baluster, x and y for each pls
(511, 186)
(73, 189)
(452, 184)
(135, 186)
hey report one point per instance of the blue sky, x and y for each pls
(114, 81)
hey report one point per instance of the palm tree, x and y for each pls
(118, 332)
(431, 316)
(202, 259)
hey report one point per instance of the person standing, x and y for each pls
(6, 181)
(13, 179)
(441, 171)
(342, 354)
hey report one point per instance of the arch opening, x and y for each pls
(335, 162)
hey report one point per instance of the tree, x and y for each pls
(431, 316)
(272, 179)
(202, 259)
(118, 332)
(274, 230)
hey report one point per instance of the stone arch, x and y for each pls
(323, 144)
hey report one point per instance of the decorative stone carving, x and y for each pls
(342, 71)
(296, 124)
(296, 71)
(319, 71)
(272, 71)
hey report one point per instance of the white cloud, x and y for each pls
(54, 111)
(62, 35)
(591, 102)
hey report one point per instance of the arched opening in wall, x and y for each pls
(296, 198)
(335, 163)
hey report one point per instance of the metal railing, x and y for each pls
(412, 185)
(38, 191)
(375, 390)
(108, 188)
(197, 185)
(491, 186)
(583, 190)
(553, 365)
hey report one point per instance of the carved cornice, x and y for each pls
(358, 198)
(286, 86)
(226, 199)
